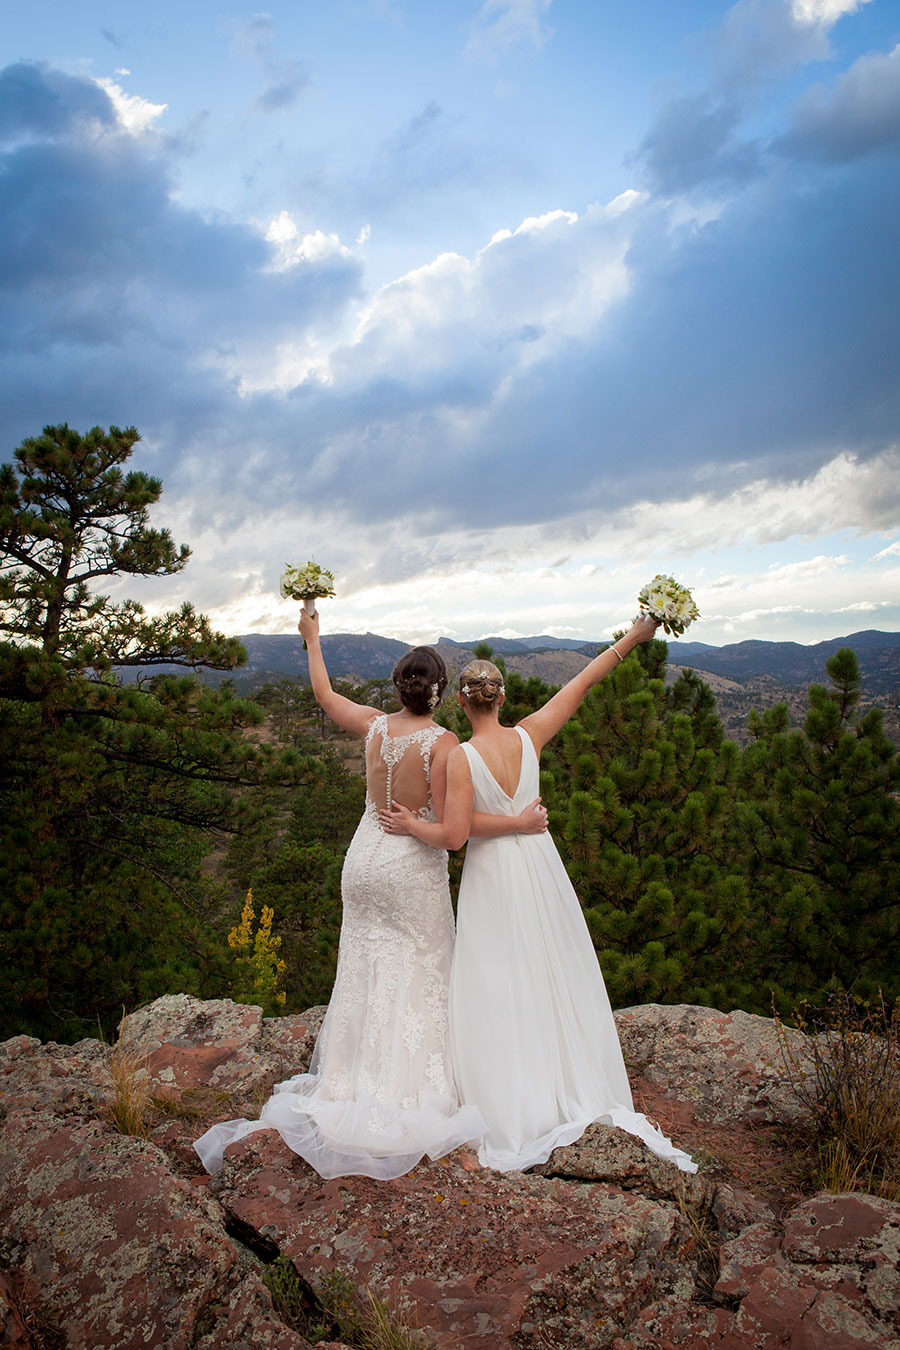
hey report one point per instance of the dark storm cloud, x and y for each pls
(860, 116)
(38, 101)
(120, 306)
(695, 141)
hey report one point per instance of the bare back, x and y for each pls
(398, 768)
(501, 750)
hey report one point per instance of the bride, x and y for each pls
(533, 1037)
(381, 1092)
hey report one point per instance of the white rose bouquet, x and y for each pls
(308, 584)
(670, 603)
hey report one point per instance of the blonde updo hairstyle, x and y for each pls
(481, 685)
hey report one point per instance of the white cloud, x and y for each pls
(530, 289)
(892, 551)
(864, 605)
(806, 568)
(135, 114)
(293, 247)
(824, 13)
(501, 24)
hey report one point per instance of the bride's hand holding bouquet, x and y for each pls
(308, 626)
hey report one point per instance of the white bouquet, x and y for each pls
(670, 603)
(309, 584)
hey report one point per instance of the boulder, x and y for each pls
(69, 1082)
(218, 1044)
(724, 1067)
(123, 1254)
(472, 1258)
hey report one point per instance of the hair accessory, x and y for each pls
(435, 697)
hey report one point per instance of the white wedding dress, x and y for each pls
(380, 1092)
(532, 1033)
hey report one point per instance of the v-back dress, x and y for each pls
(380, 1092)
(531, 1028)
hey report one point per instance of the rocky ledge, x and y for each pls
(113, 1240)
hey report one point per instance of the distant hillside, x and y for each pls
(742, 674)
(793, 664)
(365, 656)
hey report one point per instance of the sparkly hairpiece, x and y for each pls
(435, 698)
(482, 680)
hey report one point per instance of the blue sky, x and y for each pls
(495, 308)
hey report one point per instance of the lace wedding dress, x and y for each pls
(532, 1032)
(380, 1092)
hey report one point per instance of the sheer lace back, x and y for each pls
(398, 768)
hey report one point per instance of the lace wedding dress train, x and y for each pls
(380, 1092)
(533, 1037)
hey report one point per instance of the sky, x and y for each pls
(496, 308)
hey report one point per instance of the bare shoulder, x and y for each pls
(445, 744)
(533, 732)
(457, 758)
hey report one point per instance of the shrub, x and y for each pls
(847, 1079)
(258, 965)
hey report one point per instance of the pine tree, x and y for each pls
(639, 788)
(821, 823)
(108, 791)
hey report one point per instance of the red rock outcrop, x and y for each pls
(125, 1241)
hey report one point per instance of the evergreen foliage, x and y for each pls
(639, 790)
(110, 794)
(820, 823)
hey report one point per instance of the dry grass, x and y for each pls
(129, 1109)
(23, 1296)
(847, 1079)
(385, 1329)
(695, 1207)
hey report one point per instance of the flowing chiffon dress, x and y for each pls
(380, 1092)
(532, 1033)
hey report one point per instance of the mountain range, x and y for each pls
(369, 656)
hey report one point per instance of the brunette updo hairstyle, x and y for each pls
(481, 684)
(420, 678)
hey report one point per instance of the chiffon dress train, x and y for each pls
(532, 1033)
(380, 1092)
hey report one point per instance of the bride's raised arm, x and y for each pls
(547, 721)
(348, 715)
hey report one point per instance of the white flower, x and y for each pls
(672, 604)
(310, 582)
